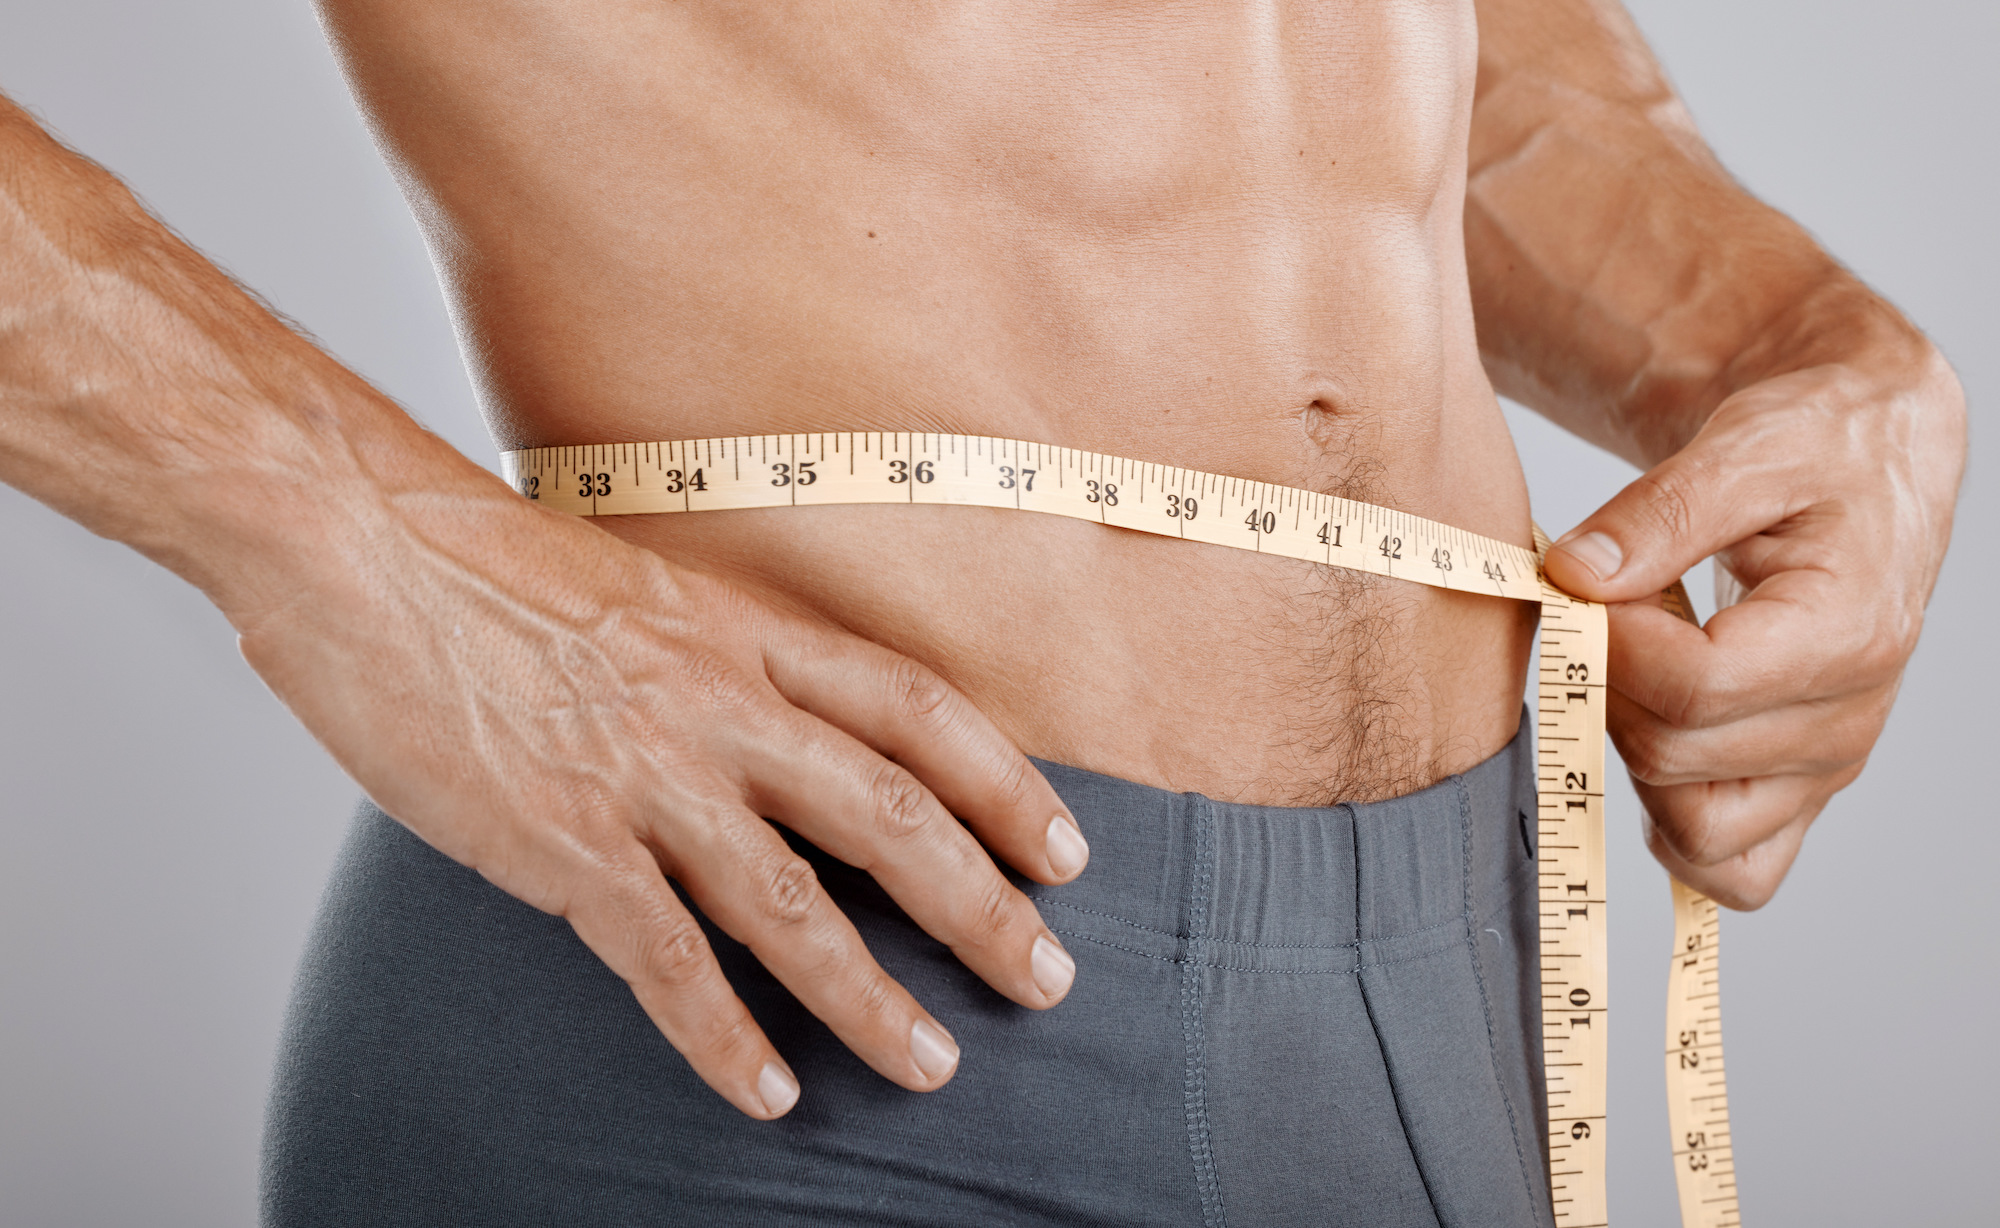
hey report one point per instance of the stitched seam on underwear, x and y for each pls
(1485, 1000)
(1204, 963)
(1195, 1088)
(1362, 886)
(1255, 946)
(1514, 892)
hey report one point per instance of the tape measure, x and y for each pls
(759, 471)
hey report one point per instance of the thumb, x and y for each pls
(1704, 498)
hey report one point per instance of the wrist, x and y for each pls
(148, 397)
(275, 502)
(1829, 320)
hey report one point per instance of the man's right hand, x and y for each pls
(573, 717)
(580, 721)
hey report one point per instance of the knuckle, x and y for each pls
(789, 892)
(1687, 829)
(902, 807)
(1667, 835)
(1015, 782)
(601, 818)
(1710, 836)
(1847, 746)
(1879, 656)
(873, 998)
(1645, 755)
(701, 827)
(1706, 701)
(702, 608)
(708, 680)
(722, 1033)
(1745, 888)
(1666, 503)
(1753, 895)
(921, 696)
(993, 912)
(673, 953)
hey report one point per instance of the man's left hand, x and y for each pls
(1827, 493)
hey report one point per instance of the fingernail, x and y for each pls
(1597, 551)
(777, 1089)
(1068, 852)
(1054, 969)
(932, 1049)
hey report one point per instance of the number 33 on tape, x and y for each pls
(762, 471)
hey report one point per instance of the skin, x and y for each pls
(1791, 424)
(1300, 243)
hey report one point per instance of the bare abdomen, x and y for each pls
(1198, 238)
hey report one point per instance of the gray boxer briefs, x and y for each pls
(1281, 1016)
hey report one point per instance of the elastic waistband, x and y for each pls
(1296, 889)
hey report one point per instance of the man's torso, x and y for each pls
(1213, 235)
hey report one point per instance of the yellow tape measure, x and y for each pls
(759, 471)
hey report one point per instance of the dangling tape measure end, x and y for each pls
(1697, 1092)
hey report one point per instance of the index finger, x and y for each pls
(1794, 639)
(905, 712)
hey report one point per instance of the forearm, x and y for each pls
(147, 396)
(1623, 284)
(1792, 426)
(563, 712)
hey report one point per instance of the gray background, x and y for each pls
(165, 828)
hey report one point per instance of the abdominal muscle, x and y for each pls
(1214, 236)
